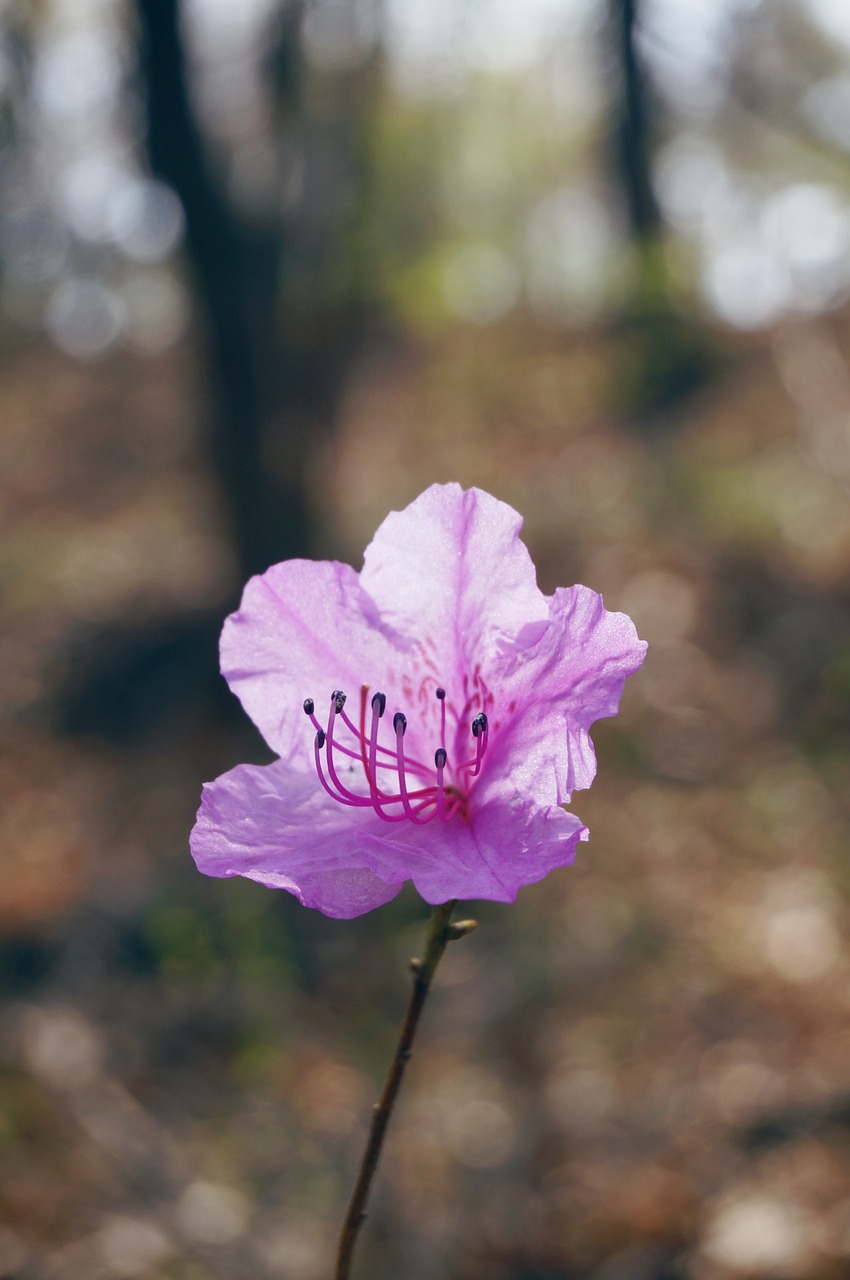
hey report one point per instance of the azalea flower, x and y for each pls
(431, 715)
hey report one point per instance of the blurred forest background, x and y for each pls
(270, 267)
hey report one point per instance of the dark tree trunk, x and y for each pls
(236, 271)
(665, 357)
(633, 125)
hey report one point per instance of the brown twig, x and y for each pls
(440, 933)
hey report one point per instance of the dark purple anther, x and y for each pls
(338, 699)
(309, 706)
(479, 724)
(441, 693)
(440, 758)
(320, 739)
(379, 704)
(400, 723)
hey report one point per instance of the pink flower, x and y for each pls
(431, 715)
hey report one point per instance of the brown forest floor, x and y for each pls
(642, 1069)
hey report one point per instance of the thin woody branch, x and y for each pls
(440, 932)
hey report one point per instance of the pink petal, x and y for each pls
(572, 677)
(302, 630)
(451, 569)
(506, 845)
(279, 828)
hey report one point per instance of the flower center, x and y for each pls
(400, 788)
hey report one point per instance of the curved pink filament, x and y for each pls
(347, 751)
(415, 804)
(349, 724)
(365, 802)
(413, 765)
(329, 744)
(354, 801)
(377, 796)
(474, 766)
(441, 795)
(402, 781)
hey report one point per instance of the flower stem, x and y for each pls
(440, 933)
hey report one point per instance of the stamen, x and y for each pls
(479, 732)
(372, 763)
(432, 798)
(440, 759)
(359, 733)
(346, 751)
(378, 798)
(400, 726)
(379, 705)
(318, 743)
(343, 795)
(441, 695)
(337, 703)
(389, 763)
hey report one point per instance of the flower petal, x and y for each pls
(281, 829)
(302, 630)
(509, 843)
(451, 569)
(571, 677)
